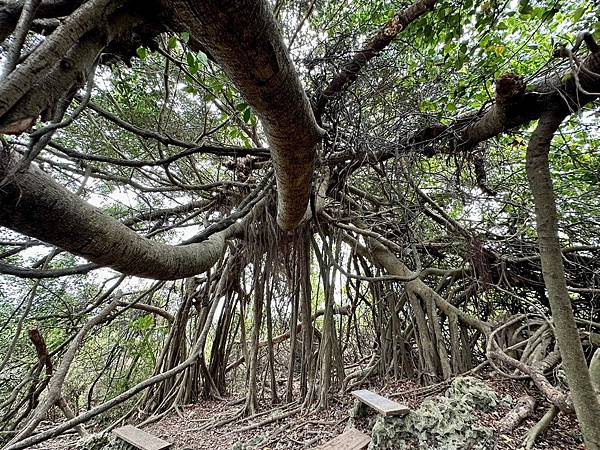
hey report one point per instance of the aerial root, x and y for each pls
(523, 409)
(540, 427)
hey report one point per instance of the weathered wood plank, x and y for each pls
(383, 405)
(140, 439)
(351, 439)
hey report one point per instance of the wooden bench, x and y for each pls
(384, 406)
(348, 440)
(140, 439)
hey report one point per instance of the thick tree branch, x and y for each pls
(24, 272)
(10, 12)
(53, 50)
(33, 198)
(585, 401)
(243, 37)
(351, 69)
(517, 104)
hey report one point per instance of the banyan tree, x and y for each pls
(290, 198)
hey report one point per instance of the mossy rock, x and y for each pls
(447, 422)
(103, 441)
(474, 392)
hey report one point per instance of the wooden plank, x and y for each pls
(383, 405)
(349, 440)
(140, 439)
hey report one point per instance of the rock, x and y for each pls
(102, 441)
(473, 391)
(446, 422)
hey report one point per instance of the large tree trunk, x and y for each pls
(240, 35)
(586, 404)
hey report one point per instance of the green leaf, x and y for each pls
(247, 114)
(524, 7)
(142, 52)
(192, 63)
(202, 58)
(578, 13)
(172, 42)
(142, 323)
(185, 37)
(191, 60)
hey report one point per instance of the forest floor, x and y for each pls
(187, 430)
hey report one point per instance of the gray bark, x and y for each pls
(53, 49)
(585, 401)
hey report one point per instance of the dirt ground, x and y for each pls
(191, 430)
(301, 431)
